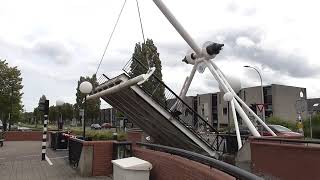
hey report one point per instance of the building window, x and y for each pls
(225, 111)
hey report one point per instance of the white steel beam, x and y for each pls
(136, 80)
(227, 88)
(175, 23)
(243, 103)
(236, 123)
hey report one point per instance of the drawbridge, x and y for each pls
(166, 116)
(154, 114)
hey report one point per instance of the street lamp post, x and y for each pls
(59, 103)
(262, 96)
(85, 88)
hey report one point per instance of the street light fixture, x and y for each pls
(85, 88)
(262, 96)
(60, 103)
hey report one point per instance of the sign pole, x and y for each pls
(44, 107)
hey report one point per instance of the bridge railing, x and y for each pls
(222, 166)
(170, 101)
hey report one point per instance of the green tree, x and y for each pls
(93, 106)
(146, 53)
(27, 117)
(53, 114)
(66, 110)
(36, 115)
(10, 93)
(282, 122)
(315, 126)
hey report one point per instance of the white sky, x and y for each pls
(56, 42)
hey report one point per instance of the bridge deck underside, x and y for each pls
(150, 120)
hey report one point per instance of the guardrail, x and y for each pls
(171, 102)
(222, 166)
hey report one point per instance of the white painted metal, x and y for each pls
(227, 88)
(163, 8)
(236, 123)
(216, 76)
(184, 84)
(212, 67)
(255, 116)
(246, 120)
(243, 103)
(208, 62)
(185, 88)
(117, 88)
(136, 80)
(229, 97)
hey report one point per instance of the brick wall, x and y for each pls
(23, 136)
(167, 167)
(134, 136)
(102, 156)
(285, 161)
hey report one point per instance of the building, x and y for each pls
(313, 105)
(280, 101)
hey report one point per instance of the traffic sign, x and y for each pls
(81, 112)
(260, 107)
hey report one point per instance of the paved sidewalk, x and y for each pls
(21, 160)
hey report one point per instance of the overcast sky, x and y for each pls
(56, 42)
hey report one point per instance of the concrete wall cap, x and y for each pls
(132, 163)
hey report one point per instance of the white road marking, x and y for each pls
(49, 161)
(60, 157)
(28, 156)
(2, 158)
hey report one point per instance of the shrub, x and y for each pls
(315, 126)
(122, 136)
(97, 135)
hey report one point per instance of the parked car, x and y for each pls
(280, 131)
(24, 129)
(277, 129)
(106, 126)
(14, 127)
(95, 126)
